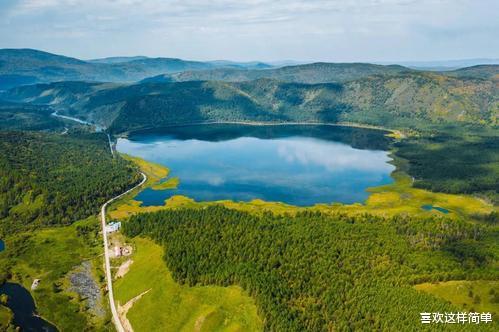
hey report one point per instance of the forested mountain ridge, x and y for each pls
(215, 63)
(319, 72)
(118, 59)
(414, 99)
(407, 100)
(22, 116)
(53, 180)
(28, 66)
(490, 72)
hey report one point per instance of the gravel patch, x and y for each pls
(83, 283)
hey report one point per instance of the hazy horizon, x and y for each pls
(379, 31)
(430, 63)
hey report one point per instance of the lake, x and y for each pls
(295, 164)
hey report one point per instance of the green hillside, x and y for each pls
(53, 180)
(405, 100)
(479, 71)
(27, 66)
(414, 100)
(309, 73)
(14, 116)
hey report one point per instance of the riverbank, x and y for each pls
(22, 306)
(6, 318)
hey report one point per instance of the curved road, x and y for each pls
(109, 280)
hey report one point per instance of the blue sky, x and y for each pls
(308, 30)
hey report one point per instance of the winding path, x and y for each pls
(109, 280)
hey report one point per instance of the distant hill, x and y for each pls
(488, 72)
(285, 63)
(444, 65)
(118, 59)
(407, 99)
(215, 63)
(241, 65)
(28, 66)
(307, 73)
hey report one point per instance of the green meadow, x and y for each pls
(473, 296)
(169, 306)
(49, 255)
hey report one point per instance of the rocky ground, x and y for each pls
(83, 283)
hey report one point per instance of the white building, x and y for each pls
(113, 227)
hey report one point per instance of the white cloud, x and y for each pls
(334, 30)
(333, 156)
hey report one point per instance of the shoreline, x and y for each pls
(396, 132)
(98, 128)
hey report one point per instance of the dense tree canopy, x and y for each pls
(454, 162)
(405, 100)
(15, 116)
(321, 272)
(48, 179)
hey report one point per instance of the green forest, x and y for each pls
(51, 189)
(320, 272)
(52, 180)
(14, 116)
(454, 161)
(407, 99)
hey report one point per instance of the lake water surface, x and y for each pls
(299, 165)
(22, 305)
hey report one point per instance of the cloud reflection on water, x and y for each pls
(297, 170)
